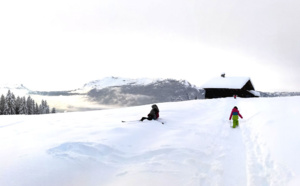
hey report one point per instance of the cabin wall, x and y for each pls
(222, 93)
(248, 86)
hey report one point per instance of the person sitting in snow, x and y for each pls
(235, 116)
(154, 113)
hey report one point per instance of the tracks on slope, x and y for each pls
(261, 169)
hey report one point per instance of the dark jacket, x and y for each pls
(154, 113)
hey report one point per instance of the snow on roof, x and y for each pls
(255, 93)
(227, 82)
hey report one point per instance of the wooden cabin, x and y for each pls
(229, 87)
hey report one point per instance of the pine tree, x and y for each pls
(18, 105)
(47, 109)
(40, 108)
(30, 106)
(10, 105)
(5, 112)
(36, 109)
(33, 106)
(23, 106)
(53, 110)
(10, 100)
(2, 104)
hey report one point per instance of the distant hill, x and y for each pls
(17, 89)
(143, 91)
(279, 94)
(55, 93)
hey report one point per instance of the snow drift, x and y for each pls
(195, 146)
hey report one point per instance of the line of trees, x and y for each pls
(10, 105)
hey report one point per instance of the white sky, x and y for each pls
(62, 44)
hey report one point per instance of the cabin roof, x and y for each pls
(226, 83)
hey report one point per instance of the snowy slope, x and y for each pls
(195, 146)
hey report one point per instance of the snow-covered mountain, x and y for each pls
(13, 86)
(130, 92)
(279, 94)
(116, 81)
(17, 89)
(195, 147)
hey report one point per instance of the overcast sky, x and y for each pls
(62, 44)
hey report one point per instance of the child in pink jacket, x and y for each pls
(235, 116)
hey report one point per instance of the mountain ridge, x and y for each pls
(113, 82)
(167, 90)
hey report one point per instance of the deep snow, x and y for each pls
(195, 147)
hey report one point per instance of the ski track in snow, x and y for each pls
(201, 151)
(261, 169)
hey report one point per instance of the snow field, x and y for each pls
(196, 146)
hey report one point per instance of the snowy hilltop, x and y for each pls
(133, 92)
(195, 146)
(112, 81)
(116, 81)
